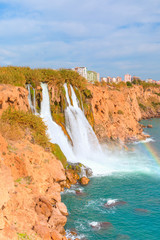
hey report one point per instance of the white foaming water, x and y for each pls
(145, 141)
(67, 95)
(94, 224)
(72, 237)
(54, 130)
(111, 201)
(86, 148)
(83, 137)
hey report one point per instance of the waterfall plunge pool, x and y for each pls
(139, 218)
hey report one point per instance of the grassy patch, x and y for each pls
(129, 84)
(19, 76)
(143, 107)
(23, 236)
(155, 104)
(11, 132)
(55, 149)
(26, 180)
(20, 121)
(158, 94)
(120, 112)
(87, 93)
(73, 78)
(18, 180)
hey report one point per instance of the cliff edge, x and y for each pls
(117, 112)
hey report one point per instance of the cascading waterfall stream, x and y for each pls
(86, 148)
(54, 130)
(84, 139)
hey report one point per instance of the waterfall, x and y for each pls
(54, 131)
(83, 137)
(86, 148)
(67, 95)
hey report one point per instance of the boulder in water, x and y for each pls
(84, 181)
(80, 193)
(112, 203)
(73, 232)
(149, 126)
(80, 169)
(100, 225)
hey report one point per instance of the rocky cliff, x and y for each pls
(117, 111)
(31, 177)
(14, 97)
(30, 186)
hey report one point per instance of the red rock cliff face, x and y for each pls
(30, 182)
(30, 186)
(11, 96)
(117, 112)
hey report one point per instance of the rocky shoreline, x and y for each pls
(31, 180)
(117, 112)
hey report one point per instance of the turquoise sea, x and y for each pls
(138, 216)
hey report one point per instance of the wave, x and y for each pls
(145, 141)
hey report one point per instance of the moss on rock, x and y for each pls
(55, 149)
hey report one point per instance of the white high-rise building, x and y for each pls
(82, 71)
(127, 78)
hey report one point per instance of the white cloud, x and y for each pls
(119, 34)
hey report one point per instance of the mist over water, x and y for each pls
(138, 187)
(86, 148)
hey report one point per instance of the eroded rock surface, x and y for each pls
(14, 97)
(30, 186)
(117, 111)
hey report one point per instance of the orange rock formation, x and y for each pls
(117, 111)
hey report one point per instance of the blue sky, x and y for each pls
(110, 37)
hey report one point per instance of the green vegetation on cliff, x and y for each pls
(142, 106)
(55, 149)
(14, 124)
(145, 84)
(20, 76)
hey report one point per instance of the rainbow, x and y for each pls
(152, 151)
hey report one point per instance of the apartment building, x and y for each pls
(82, 71)
(92, 76)
(127, 78)
(111, 80)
